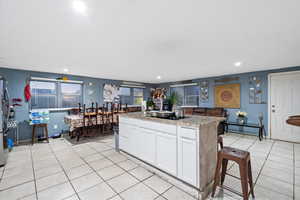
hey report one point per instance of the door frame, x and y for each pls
(269, 95)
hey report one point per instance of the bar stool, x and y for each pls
(45, 128)
(220, 142)
(242, 158)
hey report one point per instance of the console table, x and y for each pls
(261, 128)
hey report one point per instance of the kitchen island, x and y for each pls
(185, 149)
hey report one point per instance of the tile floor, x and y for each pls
(93, 170)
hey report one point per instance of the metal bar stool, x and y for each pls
(242, 158)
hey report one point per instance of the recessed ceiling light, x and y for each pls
(238, 64)
(66, 70)
(79, 6)
(158, 77)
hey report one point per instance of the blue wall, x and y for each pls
(253, 110)
(17, 79)
(16, 83)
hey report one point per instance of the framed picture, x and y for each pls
(204, 95)
(256, 94)
(228, 96)
(110, 93)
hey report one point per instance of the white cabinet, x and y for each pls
(173, 149)
(187, 155)
(147, 145)
(134, 142)
(166, 152)
(124, 136)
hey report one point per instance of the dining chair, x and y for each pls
(89, 123)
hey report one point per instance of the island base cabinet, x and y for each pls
(187, 160)
(124, 141)
(147, 145)
(187, 156)
(166, 152)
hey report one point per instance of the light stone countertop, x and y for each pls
(189, 120)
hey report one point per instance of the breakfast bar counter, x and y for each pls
(185, 148)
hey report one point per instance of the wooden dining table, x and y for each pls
(76, 121)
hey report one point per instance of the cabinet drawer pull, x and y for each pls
(188, 128)
(186, 138)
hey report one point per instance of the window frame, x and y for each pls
(58, 94)
(183, 99)
(137, 96)
(132, 96)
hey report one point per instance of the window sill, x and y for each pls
(195, 106)
(52, 109)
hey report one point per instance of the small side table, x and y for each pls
(35, 126)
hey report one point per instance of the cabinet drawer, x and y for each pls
(156, 126)
(187, 132)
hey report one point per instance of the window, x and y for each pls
(131, 96)
(191, 95)
(138, 96)
(180, 93)
(187, 95)
(124, 94)
(46, 94)
(70, 95)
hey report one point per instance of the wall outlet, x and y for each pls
(55, 126)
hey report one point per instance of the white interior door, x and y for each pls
(284, 102)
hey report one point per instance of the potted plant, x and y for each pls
(150, 104)
(173, 100)
(241, 117)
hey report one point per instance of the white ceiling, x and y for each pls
(138, 40)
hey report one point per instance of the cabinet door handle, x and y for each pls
(186, 138)
(188, 128)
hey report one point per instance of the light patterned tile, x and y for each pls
(85, 182)
(116, 198)
(49, 171)
(73, 197)
(275, 185)
(30, 197)
(297, 192)
(157, 184)
(57, 192)
(175, 193)
(117, 158)
(16, 180)
(99, 192)
(51, 180)
(78, 171)
(100, 164)
(264, 193)
(122, 182)
(110, 172)
(140, 173)
(127, 165)
(18, 191)
(93, 157)
(279, 174)
(138, 192)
